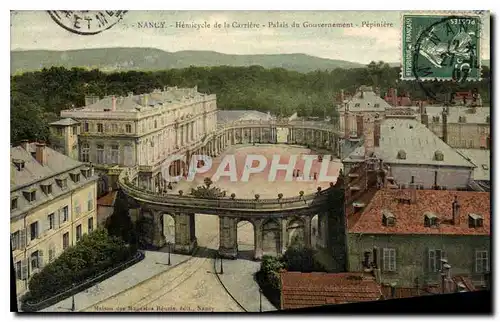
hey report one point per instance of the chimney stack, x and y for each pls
(376, 133)
(113, 103)
(456, 211)
(424, 118)
(413, 191)
(25, 144)
(445, 125)
(40, 153)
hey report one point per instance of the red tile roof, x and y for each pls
(410, 217)
(299, 290)
(108, 200)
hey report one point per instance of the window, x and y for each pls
(36, 260)
(65, 240)
(91, 224)
(85, 127)
(90, 202)
(77, 208)
(59, 131)
(15, 241)
(438, 156)
(13, 204)
(114, 127)
(52, 253)
(78, 232)
(430, 219)
(51, 220)
(389, 259)
(435, 119)
(62, 183)
(47, 188)
(356, 105)
(475, 221)
(19, 164)
(100, 128)
(34, 230)
(376, 105)
(75, 177)
(100, 154)
(388, 218)
(19, 270)
(482, 265)
(85, 152)
(65, 214)
(114, 154)
(128, 128)
(462, 119)
(488, 119)
(30, 195)
(401, 155)
(435, 257)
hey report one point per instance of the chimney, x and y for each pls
(456, 211)
(424, 118)
(445, 126)
(40, 153)
(144, 100)
(25, 144)
(368, 136)
(376, 133)
(113, 103)
(359, 126)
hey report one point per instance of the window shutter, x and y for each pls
(476, 261)
(56, 220)
(40, 259)
(24, 269)
(394, 259)
(13, 240)
(437, 260)
(431, 267)
(22, 238)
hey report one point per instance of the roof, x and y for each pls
(366, 100)
(34, 171)
(65, 122)
(226, 116)
(301, 290)
(108, 200)
(481, 158)
(454, 112)
(410, 217)
(418, 142)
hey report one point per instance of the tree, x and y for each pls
(301, 259)
(119, 223)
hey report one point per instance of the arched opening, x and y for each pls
(169, 228)
(295, 232)
(245, 240)
(271, 238)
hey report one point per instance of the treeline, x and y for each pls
(38, 97)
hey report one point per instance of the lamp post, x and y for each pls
(221, 268)
(73, 301)
(260, 299)
(168, 246)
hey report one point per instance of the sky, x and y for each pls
(37, 30)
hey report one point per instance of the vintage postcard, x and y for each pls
(250, 161)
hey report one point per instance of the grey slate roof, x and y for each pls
(33, 171)
(366, 100)
(481, 158)
(416, 140)
(65, 122)
(454, 112)
(226, 116)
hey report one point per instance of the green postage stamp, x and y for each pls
(441, 47)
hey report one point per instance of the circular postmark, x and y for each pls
(87, 22)
(447, 49)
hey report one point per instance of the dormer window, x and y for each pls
(30, 194)
(438, 156)
(62, 183)
(430, 219)
(47, 188)
(488, 119)
(19, 164)
(485, 167)
(388, 218)
(13, 204)
(75, 177)
(401, 155)
(435, 119)
(462, 119)
(357, 105)
(86, 172)
(376, 105)
(475, 221)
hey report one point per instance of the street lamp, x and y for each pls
(73, 300)
(260, 300)
(168, 246)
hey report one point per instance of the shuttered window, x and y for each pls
(389, 259)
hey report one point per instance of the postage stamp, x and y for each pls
(441, 47)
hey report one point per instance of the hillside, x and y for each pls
(120, 59)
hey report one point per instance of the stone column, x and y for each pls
(185, 236)
(307, 230)
(234, 137)
(251, 135)
(228, 245)
(283, 235)
(258, 239)
(241, 135)
(260, 134)
(321, 138)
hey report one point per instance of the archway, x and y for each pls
(295, 232)
(271, 238)
(169, 228)
(245, 238)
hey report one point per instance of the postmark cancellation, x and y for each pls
(441, 46)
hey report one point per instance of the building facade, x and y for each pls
(141, 130)
(53, 203)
